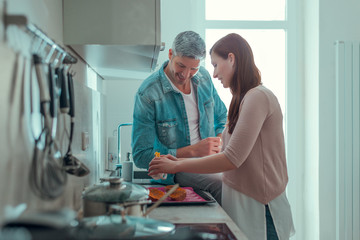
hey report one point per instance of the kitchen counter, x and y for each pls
(207, 213)
(200, 221)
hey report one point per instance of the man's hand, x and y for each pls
(205, 147)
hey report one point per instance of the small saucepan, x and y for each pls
(115, 196)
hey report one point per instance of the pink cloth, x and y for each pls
(191, 196)
(257, 147)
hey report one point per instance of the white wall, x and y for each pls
(296, 190)
(16, 155)
(325, 22)
(345, 26)
(310, 220)
(120, 104)
(176, 16)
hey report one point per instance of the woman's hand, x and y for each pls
(170, 157)
(163, 164)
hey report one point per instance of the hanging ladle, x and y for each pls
(71, 164)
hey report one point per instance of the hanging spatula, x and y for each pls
(73, 165)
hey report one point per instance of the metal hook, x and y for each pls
(41, 49)
(50, 54)
(36, 47)
(56, 60)
(67, 68)
(73, 73)
(62, 58)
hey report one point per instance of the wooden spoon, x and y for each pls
(158, 202)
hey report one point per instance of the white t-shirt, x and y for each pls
(192, 112)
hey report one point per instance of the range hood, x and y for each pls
(113, 36)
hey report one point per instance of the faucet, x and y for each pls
(119, 138)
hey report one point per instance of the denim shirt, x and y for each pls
(160, 121)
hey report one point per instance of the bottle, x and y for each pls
(159, 175)
(127, 169)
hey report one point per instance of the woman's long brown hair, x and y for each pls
(246, 75)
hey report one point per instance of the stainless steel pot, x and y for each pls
(115, 196)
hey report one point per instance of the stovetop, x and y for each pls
(193, 231)
(203, 231)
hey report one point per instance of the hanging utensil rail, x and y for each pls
(22, 21)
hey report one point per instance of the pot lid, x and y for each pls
(129, 227)
(115, 190)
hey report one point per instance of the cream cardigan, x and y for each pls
(257, 147)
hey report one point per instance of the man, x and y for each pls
(178, 111)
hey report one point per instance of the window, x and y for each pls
(245, 10)
(263, 27)
(271, 30)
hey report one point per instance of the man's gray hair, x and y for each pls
(189, 44)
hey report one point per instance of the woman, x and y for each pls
(253, 152)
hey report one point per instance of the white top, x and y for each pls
(250, 213)
(192, 112)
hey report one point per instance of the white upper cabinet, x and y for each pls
(113, 35)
